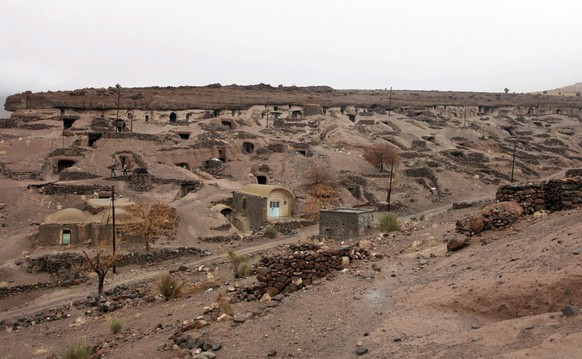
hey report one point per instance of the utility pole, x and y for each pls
(118, 90)
(465, 114)
(390, 185)
(390, 101)
(113, 215)
(513, 162)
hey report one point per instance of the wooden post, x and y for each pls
(513, 162)
(390, 102)
(113, 222)
(390, 185)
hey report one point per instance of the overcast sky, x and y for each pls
(370, 44)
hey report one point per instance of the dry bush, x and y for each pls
(321, 186)
(224, 305)
(77, 351)
(240, 264)
(115, 326)
(169, 287)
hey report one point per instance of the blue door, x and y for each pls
(66, 239)
(274, 209)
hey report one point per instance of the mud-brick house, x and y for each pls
(341, 223)
(261, 204)
(72, 226)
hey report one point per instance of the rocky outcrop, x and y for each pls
(495, 216)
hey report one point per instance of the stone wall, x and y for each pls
(296, 268)
(576, 172)
(552, 195)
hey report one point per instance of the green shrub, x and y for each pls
(240, 264)
(115, 326)
(270, 232)
(169, 287)
(77, 351)
(388, 223)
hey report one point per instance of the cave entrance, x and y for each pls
(68, 122)
(302, 152)
(147, 118)
(173, 117)
(296, 114)
(184, 135)
(186, 188)
(94, 137)
(262, 179)
(352, 118)
(183, 165)
(215, 112)
(227, 124)
(227, 212)
(64, 164)
(221, 155)
(248, 147)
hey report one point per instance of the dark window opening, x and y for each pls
(186, 188)
(227, 124)
(147, 118)
(275, 108)
(183, 165)
(302, 152)
(62, 111)
(94, 137)
(123, 160)
(248, 147)
(216, 113)
(64, 164)
(262, 179)
(244, 203)
(184, 136)
(221, 155)
(227, 212)
(68, 122)
(188, 116)
(296, 114)
(352, 118)
(173, 117)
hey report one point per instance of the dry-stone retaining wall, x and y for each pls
(296, 268)
(576, 172)
(553, 195)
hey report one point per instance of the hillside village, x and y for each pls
(487, 189)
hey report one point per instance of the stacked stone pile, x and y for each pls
(495, 216)
(296, 268)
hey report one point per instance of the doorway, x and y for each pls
(274, 208)
(66, 236)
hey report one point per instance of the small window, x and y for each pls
(244, 203)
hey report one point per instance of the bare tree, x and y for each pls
(101, 264)
(157, 220)
(322, 191)
(382, 155)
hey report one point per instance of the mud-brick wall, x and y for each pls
(340, 224)
(553, 195)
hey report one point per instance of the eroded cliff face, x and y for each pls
(240, 97)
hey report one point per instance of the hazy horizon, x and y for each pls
(451, 45)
